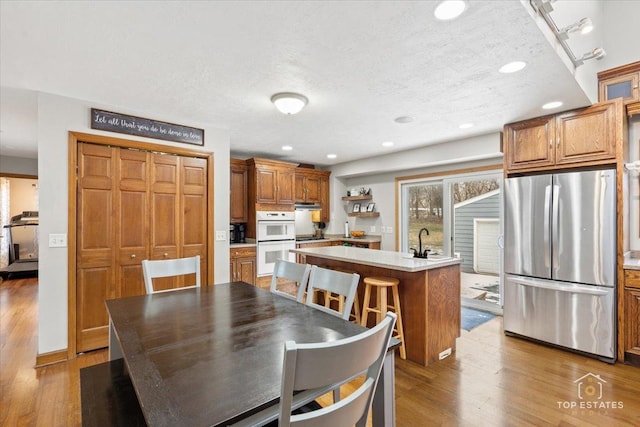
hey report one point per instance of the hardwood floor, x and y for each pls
(492, 380)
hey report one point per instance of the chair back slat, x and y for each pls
(293, 272)
(155, 269)
(318, 365)
(336, 282)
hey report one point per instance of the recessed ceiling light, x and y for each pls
(552, 105)
(466, 126)
(287, 148)
(331, 156)
(512, 67)
(403, 119)
(387, 144)
(450, 9)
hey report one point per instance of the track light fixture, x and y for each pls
(597, 53)
(585, 25)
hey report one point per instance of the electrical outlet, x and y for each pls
(389, 230)
(58, 240)
(372, 229)
(221, 235)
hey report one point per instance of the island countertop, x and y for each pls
(376, 258)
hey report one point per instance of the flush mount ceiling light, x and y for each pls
(449, 9)
(287, 148)
(465, 126)
(512, 67)
(552, 105)
(585, 26)
(387, 144)
(331, 156)
(288, 102)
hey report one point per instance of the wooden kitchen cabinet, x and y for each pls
(243, 264)
(239, 179)
(620, 82)
(272, 182)
(584, 137)
(312, 186)
(530, 143)
(631, 318)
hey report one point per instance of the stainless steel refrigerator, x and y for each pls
(560, 260)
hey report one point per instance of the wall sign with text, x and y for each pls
(131, 125)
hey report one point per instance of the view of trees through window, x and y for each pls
(425, 203)
(425, 211)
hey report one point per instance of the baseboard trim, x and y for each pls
(50, 358)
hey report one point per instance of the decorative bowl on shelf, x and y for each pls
(357, 233)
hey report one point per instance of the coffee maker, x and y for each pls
(237, 233)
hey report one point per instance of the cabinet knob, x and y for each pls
(133, 256)
(165, 254)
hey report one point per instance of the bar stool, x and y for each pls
(381, 284)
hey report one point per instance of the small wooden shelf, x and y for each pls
(364, 214)
(355, 198)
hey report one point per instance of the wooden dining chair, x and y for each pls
(167, 268)
(335, 282)
(291, 272)
(312, 366)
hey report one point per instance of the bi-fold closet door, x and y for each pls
(132, 205)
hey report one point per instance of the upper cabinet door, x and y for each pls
(239, 185)
(620, 82)
(530, 143)
(266, 185)
(286, 186)
(587, 135)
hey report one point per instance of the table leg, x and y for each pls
(384, 408)
(115, 352)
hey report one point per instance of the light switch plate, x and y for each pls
(372, 229)
(221, 235)
(58, 240)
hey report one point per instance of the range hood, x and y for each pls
(308, 207)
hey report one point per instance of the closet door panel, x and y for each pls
(95, 243)
(194, 210)
(133, 221)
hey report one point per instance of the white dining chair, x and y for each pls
(291, 272)
(337, 283)
(313, 366)
(154, 269)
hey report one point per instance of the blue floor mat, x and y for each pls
(472, 318)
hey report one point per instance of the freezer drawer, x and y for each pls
(580, 317)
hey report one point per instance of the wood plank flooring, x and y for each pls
(492, 380)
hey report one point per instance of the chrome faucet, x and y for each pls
(420, 253)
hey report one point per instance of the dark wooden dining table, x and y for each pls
(213, 355)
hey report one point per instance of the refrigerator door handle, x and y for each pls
(555, 248)
(555, 286)
(547, 204)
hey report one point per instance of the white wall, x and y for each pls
(621, 32)
(379, 174)
(56, 117)
(18, 166)
(23, 195)
(632, 196)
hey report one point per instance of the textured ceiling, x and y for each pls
(360, 63)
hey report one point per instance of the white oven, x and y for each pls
(275, 236)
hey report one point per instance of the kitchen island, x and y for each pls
(429, 293)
